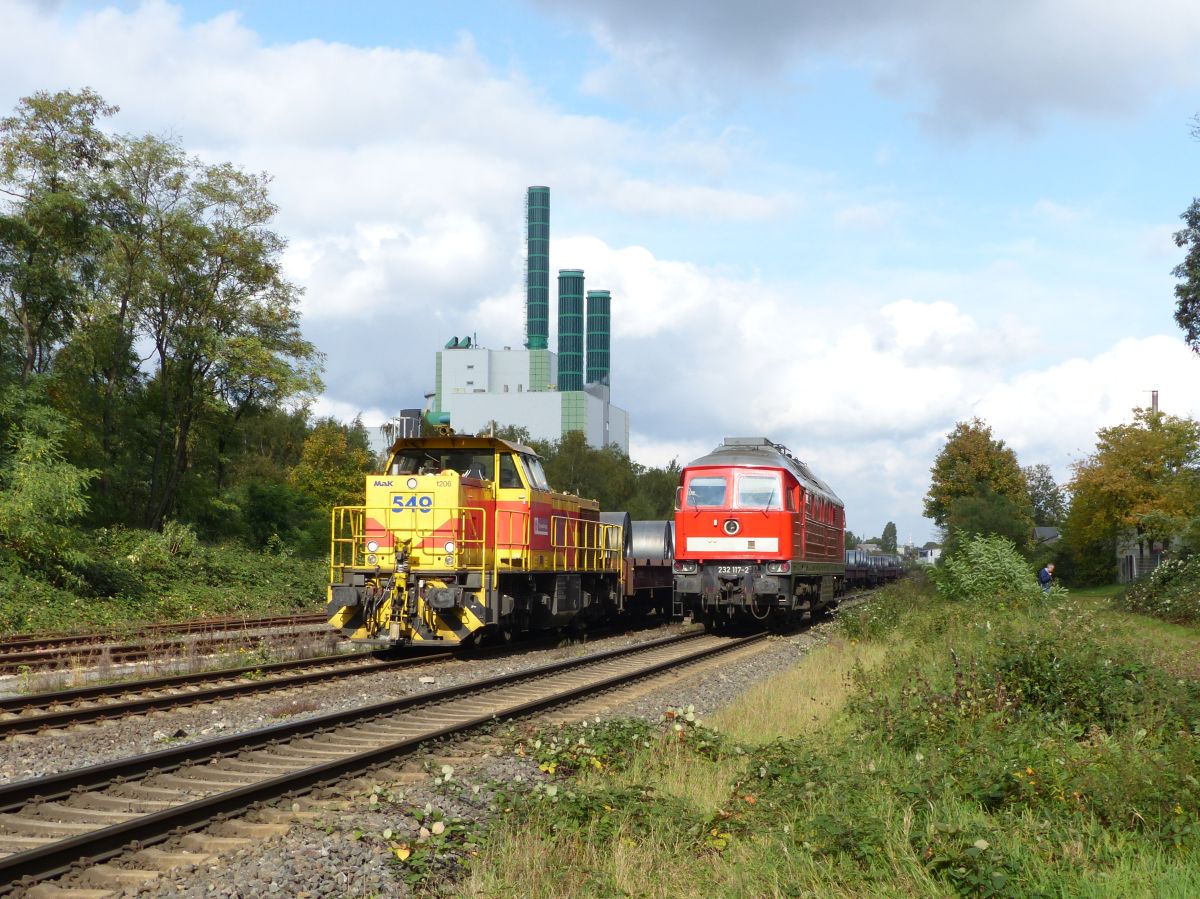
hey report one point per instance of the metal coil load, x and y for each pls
(652, 540)
(621, 518)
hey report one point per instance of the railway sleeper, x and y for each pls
(166, 859)
(118, 878)
(50, 891)
(27, 825)
(105, 802)
(203, 842)
(250, 830)
(62, 812)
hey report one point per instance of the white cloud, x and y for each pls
(866, 216)
(961, 65)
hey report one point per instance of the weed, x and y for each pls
(441, 850)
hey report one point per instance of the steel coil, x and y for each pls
(652, 540)
(621, 518)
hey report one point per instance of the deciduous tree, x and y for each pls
(1143, 475)
(888, 541)
(331, 466)
(1045, 496)
(971, 462)
(53, 157)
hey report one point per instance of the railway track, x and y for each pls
(45, 652)
(87, 816)
(31, 642)
(47, 711)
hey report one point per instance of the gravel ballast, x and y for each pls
(350, 850)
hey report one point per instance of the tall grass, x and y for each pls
(949, 748)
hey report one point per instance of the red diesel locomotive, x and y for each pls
(758, 535)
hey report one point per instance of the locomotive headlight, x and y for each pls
(732, 526)
(779, 567)
(372, 546)
(450, 546)
(372, 559)
(412, 483)
(685, 566)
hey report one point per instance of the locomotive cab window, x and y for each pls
(509, 478)
(758, 491)
(705, 492)
(534, 472)
(470, 463)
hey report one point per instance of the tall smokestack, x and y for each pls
(537, 268)
(570, 329)
(599, 316)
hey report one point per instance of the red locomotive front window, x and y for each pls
(759, 491)
(705, 492)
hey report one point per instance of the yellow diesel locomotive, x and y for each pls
(462, 537)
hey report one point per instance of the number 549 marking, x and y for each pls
(401, 501)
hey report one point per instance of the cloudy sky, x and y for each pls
(846, 228)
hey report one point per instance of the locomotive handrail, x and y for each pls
(576, 544)
(591, 553)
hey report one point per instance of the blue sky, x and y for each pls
(845, 226)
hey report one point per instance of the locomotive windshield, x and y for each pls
(759, 491)
(705, 492)
(478, 463)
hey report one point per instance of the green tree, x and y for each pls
(852, 540)
(40, 492)
(972, 462)
(1187, 292)
(211, 302)
(986, 514)
(331, 467)
(511, 433)
(52, 159)
(975, 465)
(1045, 496)
(888, 541)
(1143, 476)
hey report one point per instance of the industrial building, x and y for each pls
(548, 393)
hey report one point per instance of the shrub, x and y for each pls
(1170, 592)
(987, 569)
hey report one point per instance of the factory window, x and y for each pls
(506, 388)
(470, 367)
(470, 383)
(520, 388)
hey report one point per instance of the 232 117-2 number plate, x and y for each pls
(732, 569)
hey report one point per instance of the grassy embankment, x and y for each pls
(932, 749)
(126, 578)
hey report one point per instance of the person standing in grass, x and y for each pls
(1045, 576)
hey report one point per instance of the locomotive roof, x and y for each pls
(760, 452)
(458, 441)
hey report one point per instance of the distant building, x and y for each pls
(1137, 556)
(929, 555)
(476, 386)
(549, 394)
(1046, 536)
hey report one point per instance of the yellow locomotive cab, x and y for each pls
(462, 536)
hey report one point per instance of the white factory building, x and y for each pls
(549, 394)
(476, 386)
